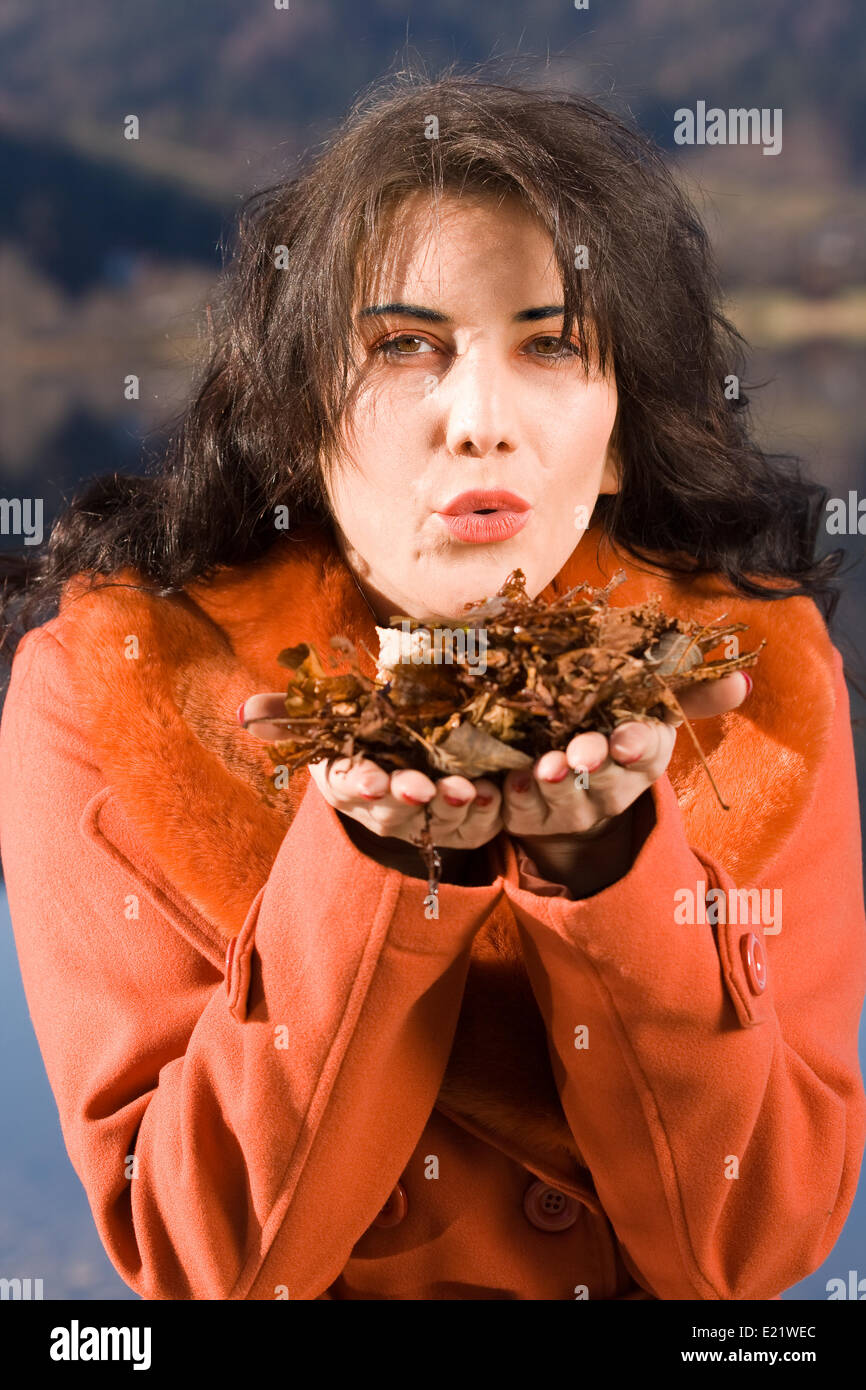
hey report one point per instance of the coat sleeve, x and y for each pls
(721, 1113)
(209, 1109)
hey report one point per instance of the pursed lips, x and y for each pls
(485, 516)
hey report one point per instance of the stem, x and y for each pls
(694, 738)
(429, 853)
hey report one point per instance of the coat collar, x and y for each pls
(158, 682)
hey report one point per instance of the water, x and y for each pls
(46, 1229)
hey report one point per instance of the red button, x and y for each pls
(548, 1208)
(394, 1209)
(755, 962)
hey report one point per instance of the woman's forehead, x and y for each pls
(418, 238)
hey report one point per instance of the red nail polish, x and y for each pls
(373, 796)
(241, 711)
(415, 800)
(521, 784)
(626, 762)
(483, 800)
(454, 800)
(748, 680)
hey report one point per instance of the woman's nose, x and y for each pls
(480, 405)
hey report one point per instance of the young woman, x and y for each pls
(622, 1062)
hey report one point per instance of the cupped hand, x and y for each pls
(579, 791)
(575, 793)
(463, 814)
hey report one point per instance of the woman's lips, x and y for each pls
(480, 530)
(482, 517)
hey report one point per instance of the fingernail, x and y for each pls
(483, 800)
(626, 750)
(558, 778)
(241, 711)
(415, 800)
(748, 680)
(366, 789)
(521, 784)
(454, 800)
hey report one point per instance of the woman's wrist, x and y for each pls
(460, 866)
(585, 864)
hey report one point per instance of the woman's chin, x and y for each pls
(449, 602)
(483, 576)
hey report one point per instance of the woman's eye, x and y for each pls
(390, 348)
(411, 345)
(560, 350)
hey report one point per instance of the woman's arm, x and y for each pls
(233, 1134)
(724, 1123)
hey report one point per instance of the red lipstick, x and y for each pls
(480, 517)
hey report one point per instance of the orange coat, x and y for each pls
(277, 1078)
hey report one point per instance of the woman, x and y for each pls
(602, 1072)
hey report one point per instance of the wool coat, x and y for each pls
(277, 1078)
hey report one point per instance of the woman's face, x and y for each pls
(463, 390)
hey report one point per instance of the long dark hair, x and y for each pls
(696, 492)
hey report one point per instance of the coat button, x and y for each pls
(394, 1209)
(755, 962)
(548, 1208)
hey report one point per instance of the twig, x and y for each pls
(694, 738)
(430, 855)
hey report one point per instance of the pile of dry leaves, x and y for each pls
(524, 677)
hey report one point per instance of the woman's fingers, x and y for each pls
(462, 814)
(595, 778)
(365, 780)
(260, 713)
(523, 800)
(587, 753)
(716, 697)
(644, 747)
(412, 788)
(467, 812)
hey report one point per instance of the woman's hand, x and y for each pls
(463, 814)
(576, 792)
(569, 800)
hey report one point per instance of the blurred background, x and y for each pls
(110, 247)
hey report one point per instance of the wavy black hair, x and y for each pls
(696, 491)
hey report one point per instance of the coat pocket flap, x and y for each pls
(104, 825)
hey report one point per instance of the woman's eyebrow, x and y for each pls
(417, 311)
